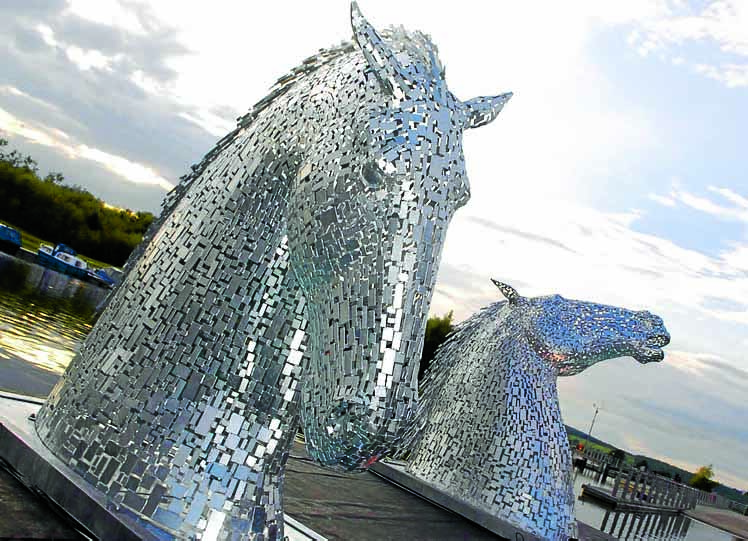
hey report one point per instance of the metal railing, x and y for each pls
(630, 484)
(644, 487)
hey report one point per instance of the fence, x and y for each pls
(643, 487)
(630, 484)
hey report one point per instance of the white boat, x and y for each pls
(62, 258)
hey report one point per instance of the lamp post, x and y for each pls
(592, 424)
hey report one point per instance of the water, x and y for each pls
(45, 315)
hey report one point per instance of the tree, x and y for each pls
(617, 454)
(437, 329)
(67, 214)
(18, 160)
(54, 178)
(702, 479)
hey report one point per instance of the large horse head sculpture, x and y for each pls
(490, 430)
(367, 220)
(289, 275)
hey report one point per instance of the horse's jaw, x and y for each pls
(651, 349)
(359, 384)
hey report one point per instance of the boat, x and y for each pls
(10, 239)
(101, 278)
(62, 258)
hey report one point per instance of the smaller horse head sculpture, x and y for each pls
(573, 335)
(489, 430)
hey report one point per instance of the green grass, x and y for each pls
(31, 242)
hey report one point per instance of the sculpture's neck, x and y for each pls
(525, 360)
(532, 403)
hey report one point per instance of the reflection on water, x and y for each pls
(44, 314)
(645, 526)
(641, 526)
(656, 527)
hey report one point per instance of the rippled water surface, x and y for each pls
(44, 316)
(37, 335)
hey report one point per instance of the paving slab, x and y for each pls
(365, 507)
(724, 519)
(23, 515)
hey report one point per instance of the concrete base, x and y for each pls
(394, 472)
(23, 452)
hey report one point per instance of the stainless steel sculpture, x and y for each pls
(490, 427)
(320, 218)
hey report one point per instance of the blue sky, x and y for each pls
(616, 174)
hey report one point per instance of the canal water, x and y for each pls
(45, 315)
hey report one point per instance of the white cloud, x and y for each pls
(737, 257)
(129, 170)
(47, 35)
(730, 195)
(9, 90)
(722, 24)
(581, 253)
(738, 211)
(662, 200)
(706, 205)
(52, 137)
(109, 12)
(732, 75)
(87, 59)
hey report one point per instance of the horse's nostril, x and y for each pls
(659, 340)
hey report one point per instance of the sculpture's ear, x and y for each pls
(378, 55)
(508, 291)
(484, 109)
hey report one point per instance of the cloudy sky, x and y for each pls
(616, 174)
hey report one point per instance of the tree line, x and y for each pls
(66, 214)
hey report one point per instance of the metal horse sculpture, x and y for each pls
(491, 428)
(289, 277)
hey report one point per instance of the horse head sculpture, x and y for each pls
(365, 238)
(288, 276)
(573, 335)
(490, 431)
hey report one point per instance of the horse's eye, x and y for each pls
(373, 175)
